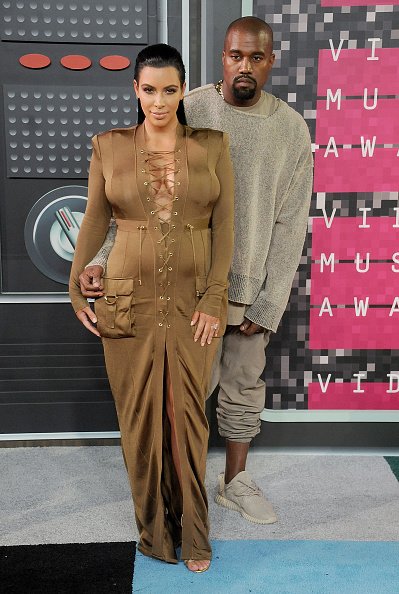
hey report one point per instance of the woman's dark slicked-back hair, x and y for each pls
(160, 55)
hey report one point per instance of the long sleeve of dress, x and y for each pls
(94, 225)
(222, 236)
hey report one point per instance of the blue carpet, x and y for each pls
(279, 567)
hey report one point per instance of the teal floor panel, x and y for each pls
(279, 567)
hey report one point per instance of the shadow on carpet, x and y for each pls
(95, 568)
(279, 567)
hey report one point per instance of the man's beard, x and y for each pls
(244, 93)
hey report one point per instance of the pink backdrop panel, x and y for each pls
(352, 121)
(352, 72)
(344, 330)
(359, 2)
(379, 283)
(345, 238)
(351, 172)
(340, 396)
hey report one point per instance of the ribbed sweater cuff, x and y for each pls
(265, 313)
(243, 289)
(98, 260)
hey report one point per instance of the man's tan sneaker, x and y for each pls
(243, 495)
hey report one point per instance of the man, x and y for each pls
(272, 160)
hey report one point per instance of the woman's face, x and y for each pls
(159, 91)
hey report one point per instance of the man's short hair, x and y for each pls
(252, 24)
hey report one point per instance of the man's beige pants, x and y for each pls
(238, 366)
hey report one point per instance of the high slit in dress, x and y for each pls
(171, 256)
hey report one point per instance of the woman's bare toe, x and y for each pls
(196, 565)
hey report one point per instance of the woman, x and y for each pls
(170, 189)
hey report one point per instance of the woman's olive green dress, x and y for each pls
(158, 274)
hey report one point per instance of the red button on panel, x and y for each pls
(115, 62)
(75, 62)
(34, 61)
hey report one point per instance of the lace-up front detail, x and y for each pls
(162, 167)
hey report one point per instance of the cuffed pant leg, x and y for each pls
(241, 390)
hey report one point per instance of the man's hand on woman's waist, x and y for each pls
(91, 281)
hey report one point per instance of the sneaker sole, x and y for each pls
(220, 500)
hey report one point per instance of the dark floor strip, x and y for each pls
(94, 568)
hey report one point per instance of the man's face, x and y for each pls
(247, 60)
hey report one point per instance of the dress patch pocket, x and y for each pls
(115, 311)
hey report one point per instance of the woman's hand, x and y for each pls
(207, 327)
(88, 319)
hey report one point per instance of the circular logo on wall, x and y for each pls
(52, 228)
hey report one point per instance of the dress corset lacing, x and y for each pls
(162, 168)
